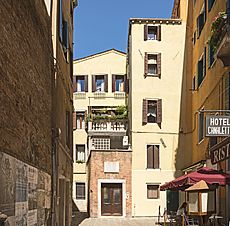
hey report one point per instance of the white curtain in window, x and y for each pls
(79, 88)
(81, 156)
(78, 123)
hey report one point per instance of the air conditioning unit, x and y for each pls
(125, 141)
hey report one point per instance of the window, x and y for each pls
(211, 58)
(118, 84)
(60, 20)
(153, 191)
(80, 152)
(201, 68)
(81, 84)
(80, 117)
(80, 190)
(79, 120)
(153, 156)
(100, 83)
(65, 34)
(152, 111)
(102, 143)
(68, 128)
(152, 64)
(210, 4)
(194, 83)
(194, 38)
(152, 32)
(201, 19)
(201, 126)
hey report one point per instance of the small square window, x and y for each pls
(152, 33)
(80, 190)
(153, 191)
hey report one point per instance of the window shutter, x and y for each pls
(60, 20)
(65, 35)
(145, 32)
(126, 85)
(74, 120)
(146, 64)
(145, 111)
(159, 64)
(94, 83)
(159, 111)
(113, 83)
(159, 33)
(204, 62)
(156, 156)
(74, 83)
(205, 10)
(150, 157)
(86, 83)
(106, 82)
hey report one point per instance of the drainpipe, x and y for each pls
(55, 131)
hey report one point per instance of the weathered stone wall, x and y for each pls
(26, 69)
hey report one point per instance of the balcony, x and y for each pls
(220, 39)
(107, 127)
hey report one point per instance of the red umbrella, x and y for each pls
(210, 176)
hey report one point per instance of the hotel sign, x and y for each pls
(220, 151)
(217, 126)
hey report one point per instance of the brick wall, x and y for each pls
(25, 82)
(96, 171)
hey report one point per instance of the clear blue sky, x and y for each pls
(103, 24)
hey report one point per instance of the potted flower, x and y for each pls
(217, 29)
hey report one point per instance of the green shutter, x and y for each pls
(60, 20)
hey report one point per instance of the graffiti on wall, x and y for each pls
(25, 193)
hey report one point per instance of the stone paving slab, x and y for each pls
(119, 222)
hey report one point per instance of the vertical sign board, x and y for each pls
(217, 126)
(220, 151)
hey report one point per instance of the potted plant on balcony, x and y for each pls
(121, 112)
(217, 29)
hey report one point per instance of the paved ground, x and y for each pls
(119, 222)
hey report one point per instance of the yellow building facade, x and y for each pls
(155, 68)
(206, 84)
(99, 88)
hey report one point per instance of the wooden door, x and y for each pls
(111, 199)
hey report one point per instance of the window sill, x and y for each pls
(150, 169)
(152, 75)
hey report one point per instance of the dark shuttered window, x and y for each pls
(80, 190)
(153, 157)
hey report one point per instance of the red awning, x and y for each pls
(210, 176)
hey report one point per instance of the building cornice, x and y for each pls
(154, 21)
